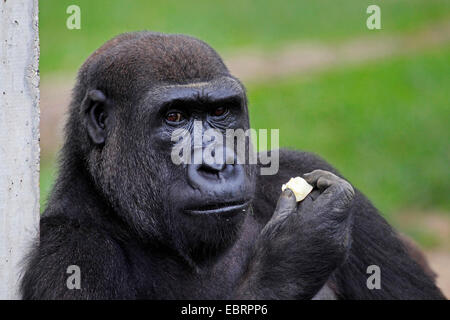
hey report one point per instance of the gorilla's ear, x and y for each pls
(93, 110)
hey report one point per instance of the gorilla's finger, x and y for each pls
(314, 194)
(341, 188)
(336, 192)
(286, 204)
(324, 182)
(307, 203)
(314, 176)
(337, 195)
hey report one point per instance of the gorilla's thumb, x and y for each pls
(286, 204)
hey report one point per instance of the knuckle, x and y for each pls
(345, 187)
(348, 189)
(343, 192)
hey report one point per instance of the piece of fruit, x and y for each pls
(299, 186)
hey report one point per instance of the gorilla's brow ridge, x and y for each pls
(225, 88)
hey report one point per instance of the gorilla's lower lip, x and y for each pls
(228, 208)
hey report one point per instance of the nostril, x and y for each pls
(212, 168)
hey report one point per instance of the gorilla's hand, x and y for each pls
(302, 244)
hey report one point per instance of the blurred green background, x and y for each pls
(382, 122)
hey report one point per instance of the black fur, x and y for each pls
(116, 210)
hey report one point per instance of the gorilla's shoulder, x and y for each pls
(68, 243)
(294, 163)
(60, 231)
(302, 161)
(54, 223)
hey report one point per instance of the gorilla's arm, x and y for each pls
(65, 242)
(374, 242)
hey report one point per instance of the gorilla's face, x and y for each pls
(159, 165)
(202, 200)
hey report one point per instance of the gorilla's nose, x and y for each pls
(209, 172)
(216, 177)
(212, 168)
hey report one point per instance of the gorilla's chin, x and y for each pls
(207, 233)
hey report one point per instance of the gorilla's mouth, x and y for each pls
(222, 208)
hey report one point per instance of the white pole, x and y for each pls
(19, 138)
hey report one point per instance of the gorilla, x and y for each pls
(139, 226)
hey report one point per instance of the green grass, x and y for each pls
(225, 25)
(383, 125)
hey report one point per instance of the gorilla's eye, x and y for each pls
(219, 111)
(174, 117)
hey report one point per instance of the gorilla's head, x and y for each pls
(132, 94)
